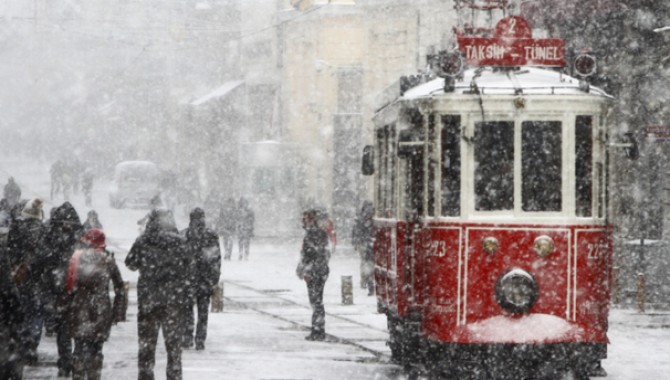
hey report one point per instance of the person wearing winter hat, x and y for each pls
(23, 240)
(33, 209)
(57, 246)
(159, 255)
(204, 270)
(91, 312)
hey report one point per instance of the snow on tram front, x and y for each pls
(492, 243)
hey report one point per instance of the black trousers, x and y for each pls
(315, 287)
(149, 321)
(244, 247)
(202, 303)
(87, 359)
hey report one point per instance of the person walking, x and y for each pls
(91, 312)
(92, 221)
(362, 238)
(204, 269)
(12, 192)
(245, 227)
(57, 246)
(23, 240)
(87, 186)
(313, 269)
(226, 226)
(160, 257)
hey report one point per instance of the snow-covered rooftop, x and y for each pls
(526, 80)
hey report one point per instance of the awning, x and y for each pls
(218, 93)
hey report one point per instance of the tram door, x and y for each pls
(412, 192)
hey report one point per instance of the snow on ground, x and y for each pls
(245, 344)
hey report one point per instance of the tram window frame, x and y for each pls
(432, 163)
(541, 166)
(494, 172)
(450, 179)
(584, 151)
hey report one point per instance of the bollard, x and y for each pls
(615, 285)
(217, 299)
(640, 292)
(126, 290)
(347, 290)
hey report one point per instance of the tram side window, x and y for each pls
(583, 166)
(382, 171)
(494, 166)
(386, 169)
(451, 165)
(541, 165)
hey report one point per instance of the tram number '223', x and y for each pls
(597, 250)
(437, 248)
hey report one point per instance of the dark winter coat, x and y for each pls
(57, 246)
(204, 256)
(227, 222)
(362, 236)
(314, 255)
(23, 242)
(12, 192)
(159, 254)
(91, 312)
(11, 315)
(245, 222)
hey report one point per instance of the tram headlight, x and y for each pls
(516, 291)
(543, 246)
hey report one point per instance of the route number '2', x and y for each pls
(512, 25)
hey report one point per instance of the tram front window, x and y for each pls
(541, 165)
(494, 166)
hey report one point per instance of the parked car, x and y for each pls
(135, 183)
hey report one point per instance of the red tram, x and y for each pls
(492, 243)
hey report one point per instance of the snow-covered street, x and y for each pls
(260, 334)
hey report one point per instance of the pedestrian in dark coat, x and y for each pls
(313, 268)
(57, 246)
(362, 238)
(87, 186)
(226, 226)
(245, 227)
(91, 312)
(205, 269)
(12, 192)
(159, 256)
(11, 322)
(92, 221)
(23, 240)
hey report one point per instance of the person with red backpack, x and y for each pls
(91, 312)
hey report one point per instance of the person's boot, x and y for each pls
(199, 346)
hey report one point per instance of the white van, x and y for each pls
(135, 183)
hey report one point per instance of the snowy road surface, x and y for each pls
(260, 333)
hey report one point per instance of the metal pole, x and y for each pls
(217, 298)
(615, 285)
(640, 292)
(347, 290)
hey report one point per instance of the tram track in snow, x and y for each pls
(380, 357)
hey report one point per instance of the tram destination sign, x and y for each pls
(512, 45)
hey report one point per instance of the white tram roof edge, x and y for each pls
(529, 80)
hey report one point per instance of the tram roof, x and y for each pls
(521, 81)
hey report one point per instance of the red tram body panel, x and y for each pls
(492, 244)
